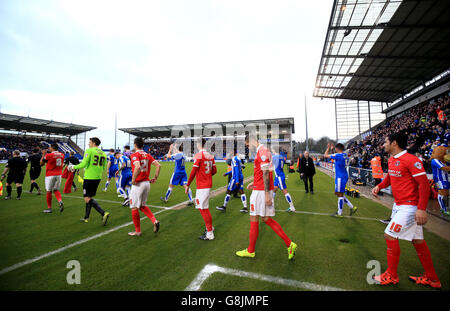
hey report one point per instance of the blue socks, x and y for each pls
(442, 202)
(169, 191)
(340, 205)
(244, 200)
(289, 199)
(346, 201)
(190, 194)
(122, 192)
(227, 199)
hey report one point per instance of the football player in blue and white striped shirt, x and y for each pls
(179, 176)
(440, 176)
(236, 181)
(278, 161)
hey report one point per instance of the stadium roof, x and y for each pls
(19, 123)
(165, 131)
(380, 50)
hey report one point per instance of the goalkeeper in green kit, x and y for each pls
(94, 163)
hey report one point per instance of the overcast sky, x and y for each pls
(163, 62)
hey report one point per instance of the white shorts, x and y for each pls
(139, 194)
(202, 198)
(258, 204)
(403, 223)
(52, 183)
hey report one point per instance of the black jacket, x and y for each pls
(307, 167)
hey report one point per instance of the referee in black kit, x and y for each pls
(35, 169)
(16, 169)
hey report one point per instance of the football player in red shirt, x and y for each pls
(141, 162)
(53, 162)
(261, 199)
(411, 191)
(203, 170)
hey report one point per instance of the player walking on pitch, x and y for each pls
(440, 176)
(411, 191)
(341, 178)
(125, 175)
(236, 181)
(141, 162)
(112, 168)
(203, 170)
(278, 161)
(179, 176)
(16, 168)
(94, 163)
(35, 169)
(261, 200)
(53, 162)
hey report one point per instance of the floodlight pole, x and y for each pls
(335, 119)
(115, 132)
(306, 126)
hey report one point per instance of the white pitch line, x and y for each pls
(59, 250)
(210, 269)
(300, 190)
(327, 214)
(110, 201)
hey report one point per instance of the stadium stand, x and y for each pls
(427, 127)
(159, 138)
(159, 149)
(386, 66)
(25, 144)
(25, 134)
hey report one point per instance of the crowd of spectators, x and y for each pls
(425, 124)
(157, 149)
(9, 143)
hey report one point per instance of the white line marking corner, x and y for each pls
(211, 268)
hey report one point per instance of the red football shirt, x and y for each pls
(145, 159)
(403, 168)
(205, 163)
(263, 161)
(55, 162)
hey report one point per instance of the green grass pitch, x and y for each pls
(172, 258)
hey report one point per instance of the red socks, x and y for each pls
(254, 231)
(58, 195)
(148, 213)
(207, 218)
(136, 219)
(393, 256)
(49, 200)
(425, 258)
(278, 230)
(423, 252)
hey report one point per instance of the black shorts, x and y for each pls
(90, 187)
(15, 178)
(35, 173)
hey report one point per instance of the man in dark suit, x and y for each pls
(307, 171)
